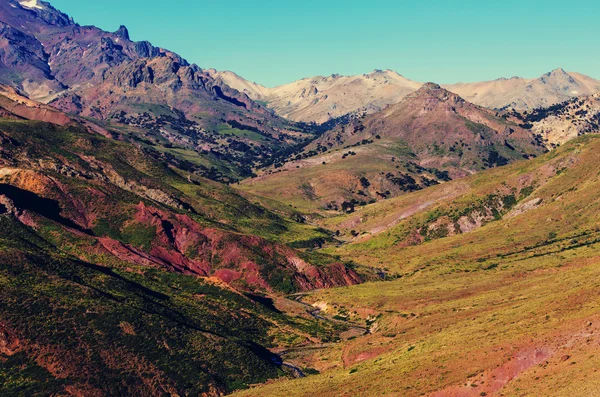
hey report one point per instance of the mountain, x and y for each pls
(253, 90)
(123, 273)
(150, 93)
(24, 61)
(431, 136)
(526, 94)
(164, 233)
(496, 287)
(318, 99)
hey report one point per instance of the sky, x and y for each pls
(274, 42)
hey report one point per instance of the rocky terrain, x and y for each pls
(562, 122)
(85, 71)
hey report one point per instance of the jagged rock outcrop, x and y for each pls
(560, 123)
(122, 32)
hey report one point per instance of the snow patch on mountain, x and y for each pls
(31, 4)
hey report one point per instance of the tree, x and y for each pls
(365, 182)
(348, 206)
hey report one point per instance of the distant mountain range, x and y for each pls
(526, 94)
(321, 98)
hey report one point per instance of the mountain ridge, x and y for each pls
(527, 94)
(153, 94)
(299, 101)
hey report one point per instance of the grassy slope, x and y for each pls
(313, 184)
(217, 204)
(564, 180)
(142, 319)
(75, 316)
(517, 297)
(92, 323)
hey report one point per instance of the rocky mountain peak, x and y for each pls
(559, 76)
(431, 97)
(430, 86)
(122, 32)
(434, 91)
(42, 10)
(32, 4)
(557, 72)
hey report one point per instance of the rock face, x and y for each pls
(21, 55)
(560, 123)
(122, 32)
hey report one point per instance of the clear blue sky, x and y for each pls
(277, 41)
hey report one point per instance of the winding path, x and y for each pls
(315, 313)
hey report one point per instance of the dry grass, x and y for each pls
(498, 309)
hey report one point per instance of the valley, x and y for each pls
(170, 230)
(518, 287)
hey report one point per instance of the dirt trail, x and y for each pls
(315, 313)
